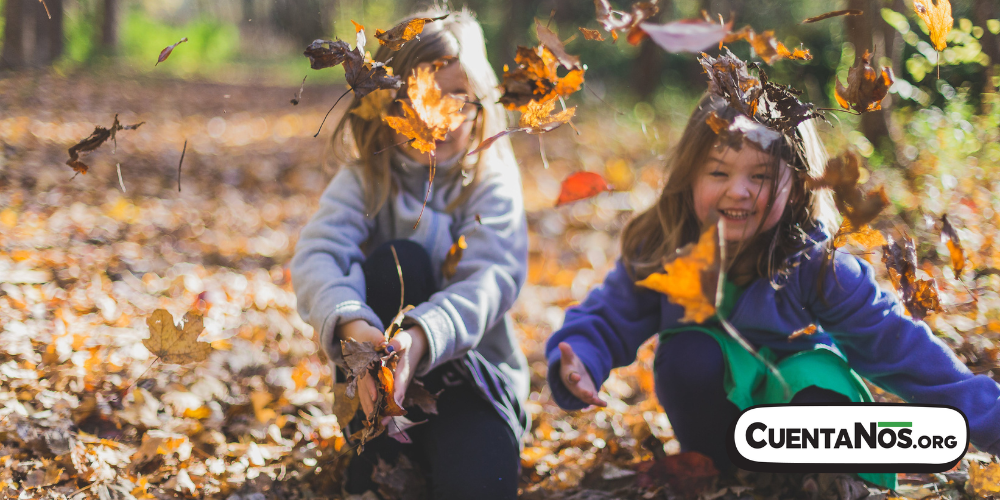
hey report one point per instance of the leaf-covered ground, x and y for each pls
(87, 412)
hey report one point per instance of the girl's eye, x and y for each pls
(762, 177)
(718, 173)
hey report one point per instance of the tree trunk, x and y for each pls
(49, 43)
(867, 32)
(13, 35)
(109, 27)
(983, 10)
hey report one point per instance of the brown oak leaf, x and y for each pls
(866, 87)
(99, 136)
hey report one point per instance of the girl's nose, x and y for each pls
(739, 189)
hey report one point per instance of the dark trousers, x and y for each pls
(465, 451)
(689, 378)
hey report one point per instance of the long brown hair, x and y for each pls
(657, 233)
(355, 141)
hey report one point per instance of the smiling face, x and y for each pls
(452, 81)
(736, 186)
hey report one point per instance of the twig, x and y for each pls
(349, 89)
(129, 386)
(399, 271)
(179, 165)
(120, 181)
(541, 149)
(296, 97)
(47, 13)
(81, 490)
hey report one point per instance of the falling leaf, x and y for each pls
(950, 237)
(360, 40)
(687, 35)
(728, 78)
(836, 13)
(165, 53)
(362, 75)
(549, 39)
(359, 357)
(984, 480)
(937, 15)
(866, 87)
(580, 186)
(99, 136)
(866, 237)
(536, 78)
(590, 34)
(842, 175)
(450, 264)
(39, 478)
(431, 115)
(919, 296)
(614, 21)
(691, 277)
(808, 330)
(375, 105)
(418, 395)
(172, 345)
(404, 32)
(538, 117)
(766, 46)
(326, 53)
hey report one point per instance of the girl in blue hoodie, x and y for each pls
(782, 277)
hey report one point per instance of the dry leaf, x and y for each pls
(614, 21)
(165, 53)
(687, 35)
(359, 357)
(536, 118)
(450, 264)
(866, 87)
(404, 32)
(418, 395)
(689, 473)
(39, 478)
(984, 481)
(919, 296)
(836, 13)
(172, 345)
(866, 237)
(362, 75)
(99, 136)
(937, 15)
(386, 382)
(580, 186)
(431, 116)
(344, 406)
(590, 34)
(767, 46)
(842, 175)
(549, 39)
(691, 278)
(536, 78)
(950, 237)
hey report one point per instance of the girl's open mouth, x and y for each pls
(736, 214)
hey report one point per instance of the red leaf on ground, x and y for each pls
(580, 186)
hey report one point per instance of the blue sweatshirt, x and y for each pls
(868, 326)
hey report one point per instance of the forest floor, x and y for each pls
(87, 412)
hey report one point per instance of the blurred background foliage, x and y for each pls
(261, 41)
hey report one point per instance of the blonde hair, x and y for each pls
(356, 140)
(657, 233)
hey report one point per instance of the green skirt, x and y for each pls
(748, 382)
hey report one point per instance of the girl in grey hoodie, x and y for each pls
(459, 338)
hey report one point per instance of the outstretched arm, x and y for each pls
(897, 353)
(603, 332)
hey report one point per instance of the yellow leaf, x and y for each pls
(937, 15)
(429, 115)
(8, 217)
(450, 264)
(374, 105)
(984, 481)
(690, 279)
(866, 237)
(538, 115)
(172, 345)
(197, 413)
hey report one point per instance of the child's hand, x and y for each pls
(576, 378)
(361, 331)
(411, 344)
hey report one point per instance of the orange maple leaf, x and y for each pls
(691, 279)
(429, 115)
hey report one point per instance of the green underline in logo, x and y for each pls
(895, 424)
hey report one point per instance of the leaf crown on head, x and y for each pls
(765, 112)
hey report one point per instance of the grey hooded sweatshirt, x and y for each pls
(467, 320)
